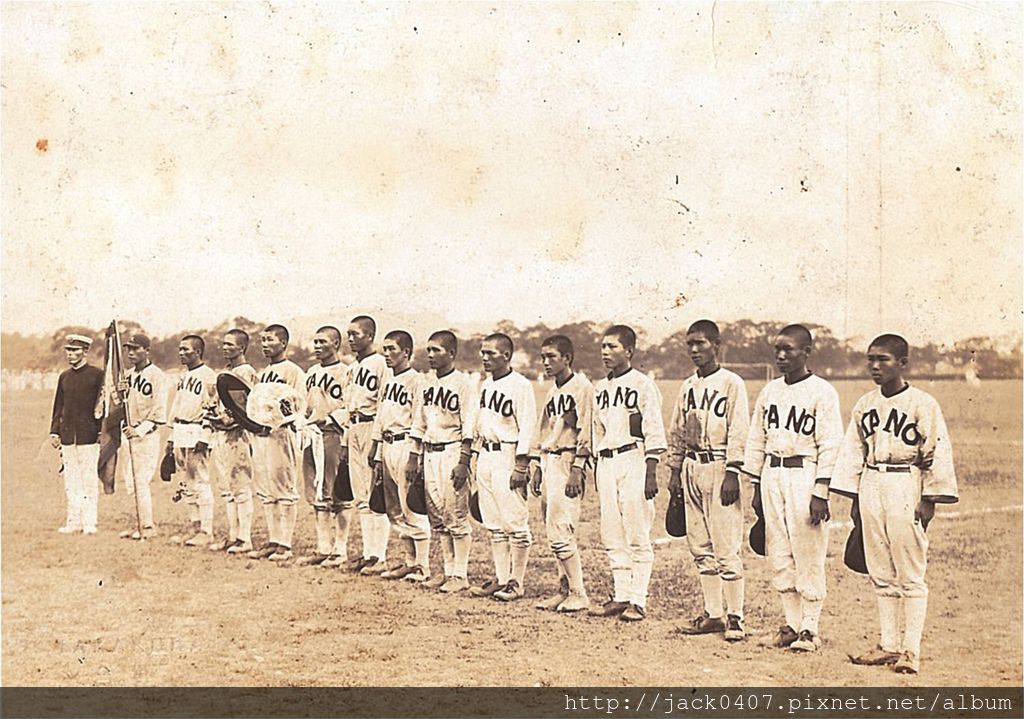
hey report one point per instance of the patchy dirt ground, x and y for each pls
(98, 611)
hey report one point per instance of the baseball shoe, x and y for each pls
(734, 631)
(436, 583)
(633, 613)
(808, 641)
(402, 570)
(89, 530)
(418, 574)
(333, 561)
(704, 624)
(220, 545)
(551, 603)
(574, 603)
(311, 560)
(283, 554)
(263, 552)
(127, 534)
(354, 565)
(486, 589)
(909, 663)
(373, 567)
(875, 657)
(785, 637)
(200, 539)
(454, 584)
(510, 593)
(68, 530)
(240, 547)
(611, 608)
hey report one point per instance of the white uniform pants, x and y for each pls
(714, 532)
(138, 468)
(193, 468)
(276, 465)
(561, 513)
(231, 464)
(503, 510)
(895, 546)
(81, 484)
(626, 519)
(406, 522)
(360, 473)
(796, 548)
(447, 508)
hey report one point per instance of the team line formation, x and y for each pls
(440, 447)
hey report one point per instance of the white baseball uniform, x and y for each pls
(794, 438)
(628, 429)
(505, 423)
(563, 440)
(196, 390)
(717, 405)
(895, 451)
(363, 395)
(147, 408)
(392, 431)
(231, 466)
(441, 421)
(277, 459)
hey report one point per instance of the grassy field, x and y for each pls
(84, 611)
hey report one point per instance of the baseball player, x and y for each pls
(505, 424)
(75, 429)
(629, 438)
(442, 439)
(794, 438)
(896, 462)
(190, 439)
(323, 437)
(390, 452)
(707, 437)
(562, 452)
(144, 388)
(277, 454)
(366, 379)
(231, 453)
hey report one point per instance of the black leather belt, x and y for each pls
(185, 421)
(437, 446)
(775, 460)
(606, 453)
(391, 437)
(562, 450)
(703, 456)
(356, 418)
(890, 467)
(494, 446)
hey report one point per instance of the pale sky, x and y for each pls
(853, 165)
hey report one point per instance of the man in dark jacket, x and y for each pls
(75, 429)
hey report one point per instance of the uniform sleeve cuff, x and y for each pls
(820, 490)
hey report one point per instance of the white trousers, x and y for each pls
(406, 522)
(447, 507)
(895, 546)
(138, 468)
(503, 509)
(81, 484)
(796, 548)
(714, 532)
(626, 519)
(561, 513)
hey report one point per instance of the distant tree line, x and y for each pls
(744, 342)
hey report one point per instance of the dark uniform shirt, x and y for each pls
(74, 405)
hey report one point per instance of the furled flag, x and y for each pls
(110, 408)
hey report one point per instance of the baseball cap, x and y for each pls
(74, 341)
(137, 340)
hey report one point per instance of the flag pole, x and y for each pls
(128, 423)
